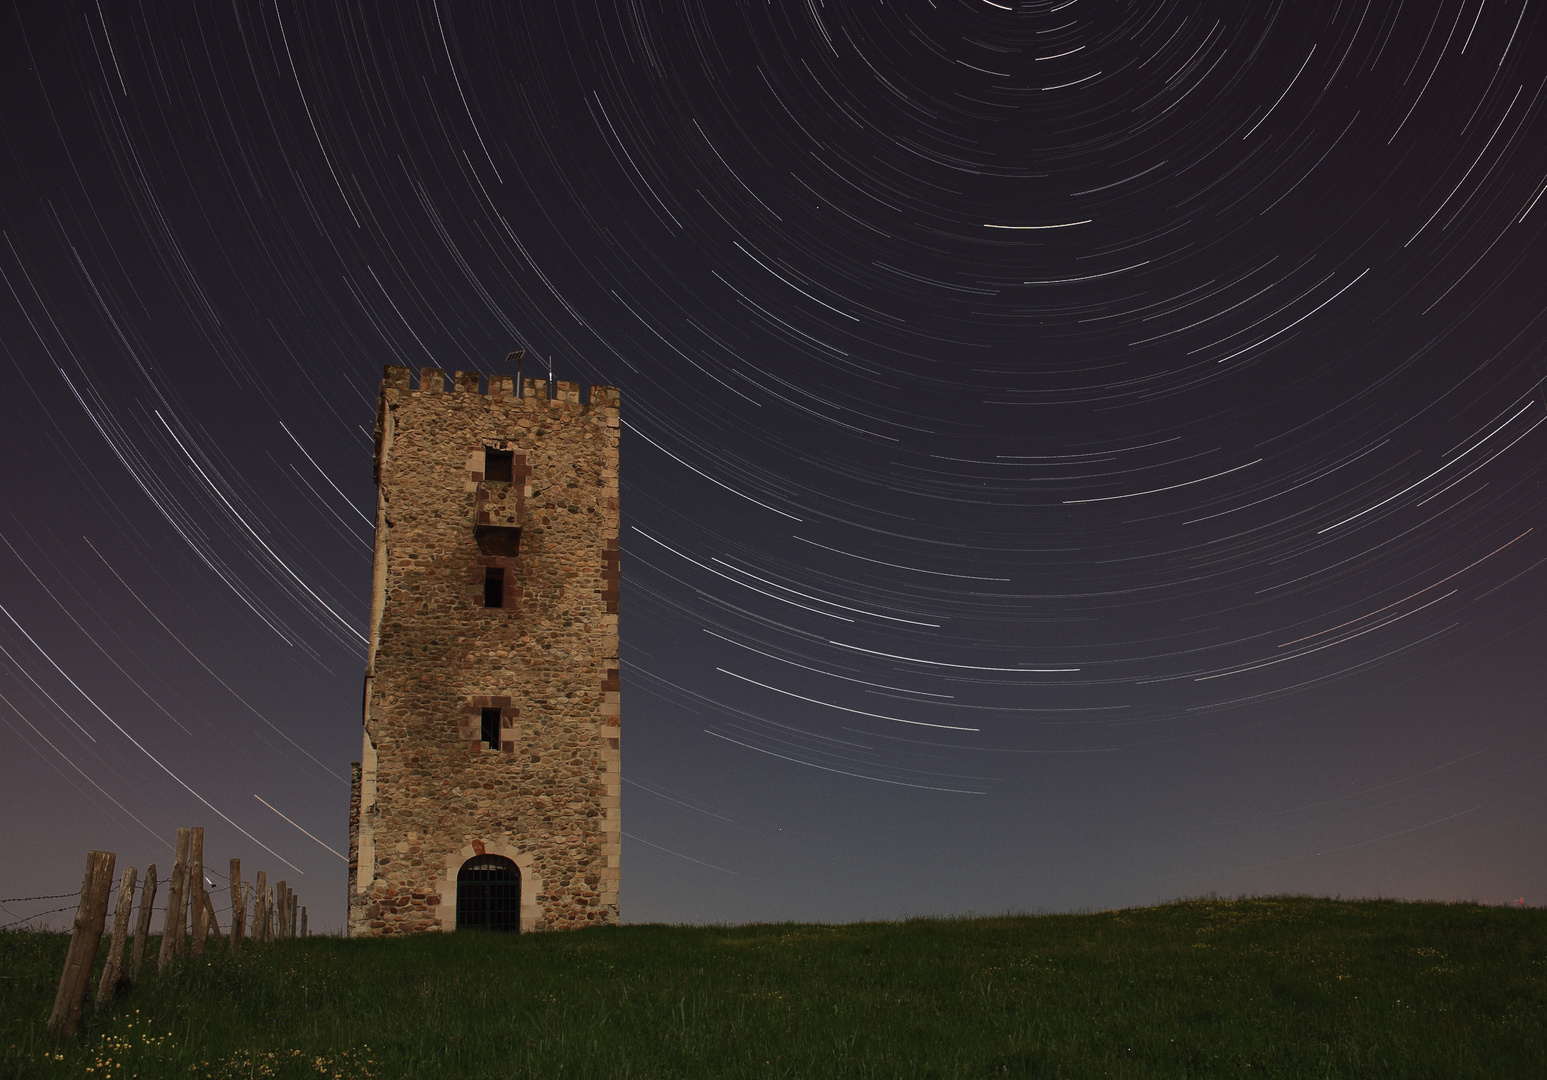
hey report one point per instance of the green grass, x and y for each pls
(1284, 987)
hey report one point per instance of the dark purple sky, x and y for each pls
(1077, 453)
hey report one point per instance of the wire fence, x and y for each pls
(276, 916)
(227, 907)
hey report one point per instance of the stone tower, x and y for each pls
(491, 681)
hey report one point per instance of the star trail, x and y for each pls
(1075, 452)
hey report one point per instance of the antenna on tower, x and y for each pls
(515, 358)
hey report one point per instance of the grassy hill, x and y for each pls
(1284, 987)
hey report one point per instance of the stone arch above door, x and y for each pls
(531, 883)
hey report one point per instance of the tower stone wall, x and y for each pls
(433, 787)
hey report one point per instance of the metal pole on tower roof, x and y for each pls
(514, 357)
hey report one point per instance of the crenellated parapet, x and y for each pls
(501, 387)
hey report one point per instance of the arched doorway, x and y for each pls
(489, 894)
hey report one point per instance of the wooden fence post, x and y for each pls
(291, 916)
(255, 904)
(238, 904)
(260, 910)
(142, 928)
(303, 921)
(65, 1018)
(112, 971)
(196, 892)
(281, 910)
(174, 922)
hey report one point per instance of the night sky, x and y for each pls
(1076, 453)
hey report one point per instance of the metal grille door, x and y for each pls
(489, 894)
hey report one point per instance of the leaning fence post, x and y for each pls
(112, 971)
(196, 891)
(173, 924)
(238, 906)
(84, 938)
(142, 928)
(211, 920)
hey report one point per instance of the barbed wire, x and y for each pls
(70, 907)
(29, 918)
(212, 886)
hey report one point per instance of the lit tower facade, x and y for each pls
(487, 794)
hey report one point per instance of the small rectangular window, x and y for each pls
(491, 728)
(497, 465)
(493, 587)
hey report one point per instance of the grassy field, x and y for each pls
(1267, 987)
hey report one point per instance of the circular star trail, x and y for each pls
(1075, 452)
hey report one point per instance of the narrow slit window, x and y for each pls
(491, 728)
(497, 465)
(494, 587)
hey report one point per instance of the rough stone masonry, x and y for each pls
(491, 686)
